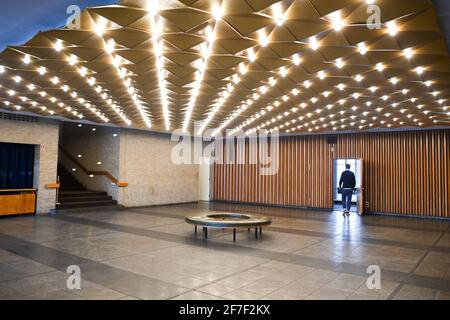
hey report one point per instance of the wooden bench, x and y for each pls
(229, 221)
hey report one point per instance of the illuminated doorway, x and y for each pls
(356, 166)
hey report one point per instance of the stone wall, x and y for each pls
(146, 164)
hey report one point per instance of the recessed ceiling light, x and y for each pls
(251, 55)
(313, 43)
(217, 12)
(110, 45)
(278, 14)
(392, 28)
(408, 53)
(420, 70)
(58, 45)
(362, 48)
(296, 59)
(100, 27)
(242, 68)
(42, 71)
(263, 40)
(336, 21)
(27, 59)
(73, 59)
(91, 81)
(394, 80)
(83, 71)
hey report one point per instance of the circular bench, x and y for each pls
(229, 221)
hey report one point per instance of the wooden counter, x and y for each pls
(17, 201)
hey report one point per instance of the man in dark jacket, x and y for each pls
(347, 184)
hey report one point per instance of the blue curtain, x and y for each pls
(16, 166)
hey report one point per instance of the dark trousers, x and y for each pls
(347, 198)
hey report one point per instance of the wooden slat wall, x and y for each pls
(404, 173)
(304, 170)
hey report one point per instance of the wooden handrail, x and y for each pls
(95, 173)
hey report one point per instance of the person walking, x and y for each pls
(347, 184)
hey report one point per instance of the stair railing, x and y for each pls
(95, 173)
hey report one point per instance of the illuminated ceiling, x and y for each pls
(297, 66)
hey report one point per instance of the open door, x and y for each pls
(356, 166)
(360, 187)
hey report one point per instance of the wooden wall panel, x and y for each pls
(404, 173)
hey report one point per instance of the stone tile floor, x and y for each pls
(151, 253)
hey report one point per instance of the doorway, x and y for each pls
(204, 178)
(356, 166)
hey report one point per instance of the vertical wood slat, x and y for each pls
(404, 173)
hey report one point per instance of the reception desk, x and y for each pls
(17, 201)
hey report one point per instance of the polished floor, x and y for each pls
(151, 253)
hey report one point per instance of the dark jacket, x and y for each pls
(347, 180)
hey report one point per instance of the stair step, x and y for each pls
(70, 193)
(63, 188)
(83, 198)
(64, 184)
(65, 181)
(86, 204)
(74, 195)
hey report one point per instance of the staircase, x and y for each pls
(73, 195)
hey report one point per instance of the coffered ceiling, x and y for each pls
(297, 66)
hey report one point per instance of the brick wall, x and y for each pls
(146, 164)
